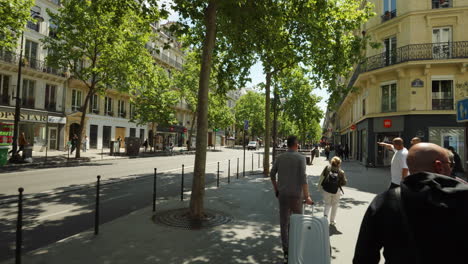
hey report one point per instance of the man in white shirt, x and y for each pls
(399, 169)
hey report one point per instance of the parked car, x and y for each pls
(252, 145)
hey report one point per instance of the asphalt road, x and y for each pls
(127, 185)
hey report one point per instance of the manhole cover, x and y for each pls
(181, 218)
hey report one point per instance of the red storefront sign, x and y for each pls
(353, 127)
(387, 123)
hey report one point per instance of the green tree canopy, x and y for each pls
(103, 45)
(251, 106)
(14, 15)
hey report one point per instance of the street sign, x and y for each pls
(462, 110)
(246, 124)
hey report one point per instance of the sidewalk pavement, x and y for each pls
(252, 237)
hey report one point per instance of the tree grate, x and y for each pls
(180, 218)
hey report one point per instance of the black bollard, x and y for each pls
(96, 213)
(154, 189)
(182, 185)
(217, 177)
(229, 171)
(237, 168)
(19, 227)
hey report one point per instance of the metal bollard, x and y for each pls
(96, 213)
(237, 168)
(19, 227)
(217, 177)
(154, 189)
(229, 171)
(182, 185)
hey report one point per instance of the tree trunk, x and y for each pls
(266, 160)
(275, 120)
(82, 122)
(189, 147)
(198, 186)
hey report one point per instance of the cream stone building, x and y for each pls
(408, 87)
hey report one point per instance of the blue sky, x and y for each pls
(256, 72)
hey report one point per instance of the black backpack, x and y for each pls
(331, 182)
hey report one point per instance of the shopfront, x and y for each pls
(175, 135)
(386, 129)
(41, 129)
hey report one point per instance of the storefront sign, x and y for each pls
(23, 117)
(462, 110)
(353, 127)
(417, 83)
(387, 123)
(57, 120)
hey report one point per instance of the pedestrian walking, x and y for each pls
(314, 153)
(346, 152)
(399, 168)
(119, 139)
(330, 183)
(327, 151)
(457, 169)
(423, 221)
(290, 187)
(74, 142)
(85, 143)
(145, 144)
(415, 141)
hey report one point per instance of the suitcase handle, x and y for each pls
(304, 206)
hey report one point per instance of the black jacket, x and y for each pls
(437, 211)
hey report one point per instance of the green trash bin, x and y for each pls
(3, 155)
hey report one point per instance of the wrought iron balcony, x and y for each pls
(34, 64)
(389, 15)
(442, 104)
(415, 52)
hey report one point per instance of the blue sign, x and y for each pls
(462, 110)
(246, 124)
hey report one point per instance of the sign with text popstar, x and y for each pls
(462, 110)
(387, 123)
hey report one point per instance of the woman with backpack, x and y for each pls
(330, 183)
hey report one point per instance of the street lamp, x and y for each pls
(15, 157)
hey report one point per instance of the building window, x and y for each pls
(364, 107)
(441, 4)
(30, 54)
(28, 96)
(132, 111)
(390, 10)
(132, 132)
(50, 97)
(442, 43)
(389, 97)
(4, 89)
(52, 29)
(390, 50)
(442, 95)
(31, 24)
(94, 104)
(108, 106)
(121, 109)
(76, 100)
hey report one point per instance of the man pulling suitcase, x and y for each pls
(291, 188)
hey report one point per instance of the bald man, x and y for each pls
(432, 228)
(398, 168)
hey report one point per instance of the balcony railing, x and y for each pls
(34, 64)
(442, 104)
(441, 4)
(389, 15)
(168, 60)
(415, 52)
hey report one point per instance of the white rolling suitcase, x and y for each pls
(309, 240)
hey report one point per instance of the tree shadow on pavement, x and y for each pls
(370, 180)
(63, 213)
